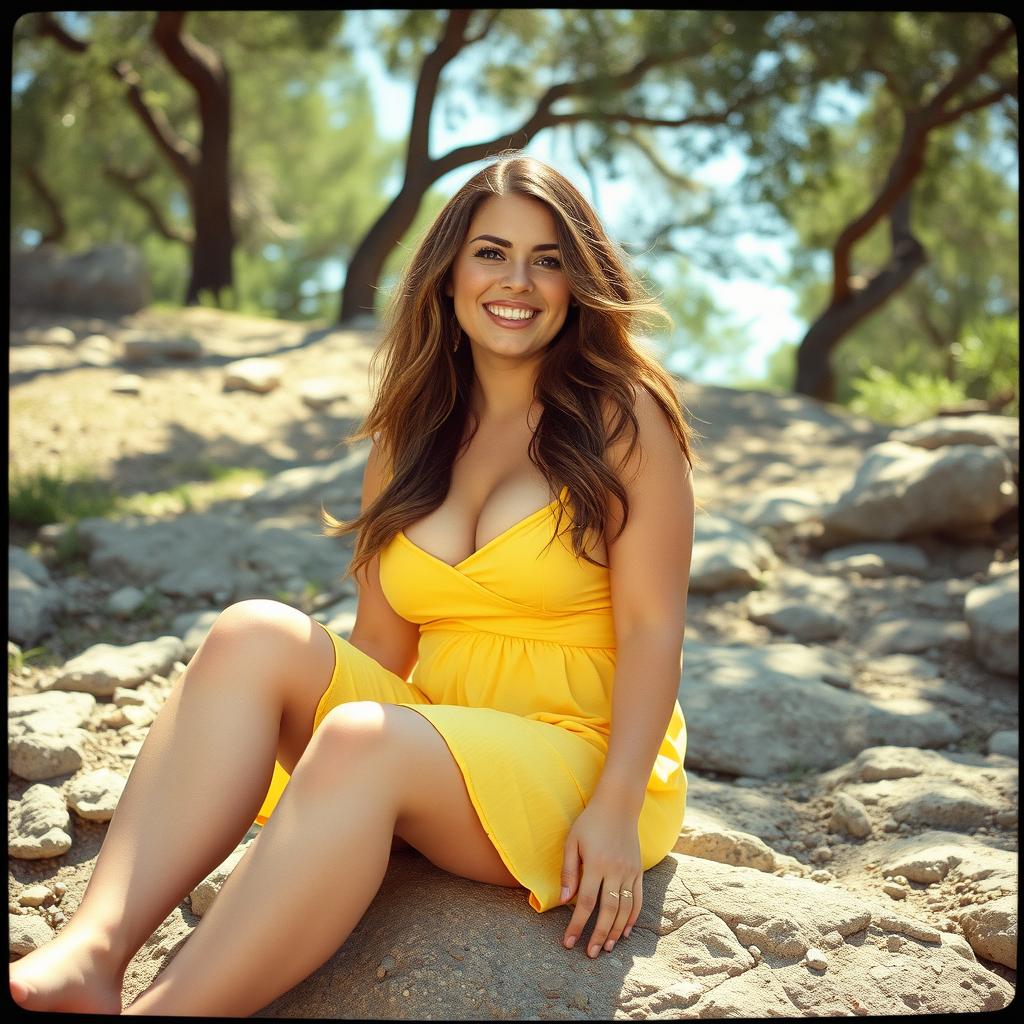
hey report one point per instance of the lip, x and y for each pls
(511, 325)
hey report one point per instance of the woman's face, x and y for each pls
(511, 296)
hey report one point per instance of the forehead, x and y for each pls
(513, 217)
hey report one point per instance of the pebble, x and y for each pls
(894, 944)
(816, 958)
(897, 892)
(755, 952)
(35, 896)
(821, 854)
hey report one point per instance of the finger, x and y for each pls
(620, 918)
(585, 903)
(570, 869)
(610, 900)
(638, 900)
(626, 896)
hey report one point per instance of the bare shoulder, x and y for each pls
(655, 439)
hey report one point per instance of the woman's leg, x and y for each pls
(371, 770)
(248, 695)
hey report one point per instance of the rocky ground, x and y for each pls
(852, 725)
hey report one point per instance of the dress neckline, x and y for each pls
(519, 524)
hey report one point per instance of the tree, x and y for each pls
(595, 64)
(935, 71)
(202, 168)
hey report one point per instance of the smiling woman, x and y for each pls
(506, 702)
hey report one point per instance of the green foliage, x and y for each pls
(902, 399)
(307, 167)
(16, 660)
(43, 496)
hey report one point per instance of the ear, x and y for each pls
(449, 290)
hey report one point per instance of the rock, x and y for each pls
(340, 617)
(991, 929)
(1005, 742)
(790, 712)
(127, 384)
(323, 392)
(902, 634)
(878, 559)
(804, 622)
(38, 826)
(936, 856)
(58, 335)
(335, 483)
(993, 613)
(94, 795)
(212, 556)
(28, 932)
(102, 668)
(139, 347)
(726, 846)
(977, 429)
(35, 896)
(254, 374)
(45, 755)
(203, 895)
(850, 816)
(787, 505)
(33, 601)
(816, 958)
(96, 350)
(124, 601)
(901, 490)
(39, 712)
(895, 890)
(105, 280)
(192, 627)
(726, 554)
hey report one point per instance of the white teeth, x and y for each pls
(512, 312)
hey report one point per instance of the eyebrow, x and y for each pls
(506, 244)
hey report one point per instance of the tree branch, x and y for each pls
(59, 227)
(543, 117)
(659, 165)
(129, 181)
(968, 72)
(198, 64)
(48, 25)
(178, 151)
(452, 41)
(993, 96)
(488, 25)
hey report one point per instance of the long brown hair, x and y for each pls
(420, 412)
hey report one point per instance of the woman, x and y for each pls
(538, 742)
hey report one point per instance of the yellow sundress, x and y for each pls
(516, 667)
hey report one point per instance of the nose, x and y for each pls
(516, 278)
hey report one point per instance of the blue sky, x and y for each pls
(765, 311)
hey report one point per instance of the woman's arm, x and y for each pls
(650, 567)
(650, 573)
(379, 630)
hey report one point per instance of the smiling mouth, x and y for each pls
(510, 312)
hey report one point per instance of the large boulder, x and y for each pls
(108, 279)
(901, 490)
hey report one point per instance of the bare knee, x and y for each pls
(257, 639)
(352, 740)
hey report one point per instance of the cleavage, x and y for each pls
(446, 534)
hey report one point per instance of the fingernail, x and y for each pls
(627, 931)
(594, 950)
(571, 941)
(609, 945)
(565, 893)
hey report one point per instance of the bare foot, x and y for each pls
(71, 973)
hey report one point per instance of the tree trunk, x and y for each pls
(367, 262)
(814, 376)
(209, 173)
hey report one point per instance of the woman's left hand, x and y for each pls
(602, 859)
